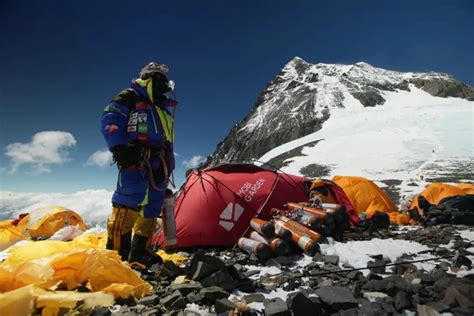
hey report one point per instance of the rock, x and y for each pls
(194, 297)
(301, 305)
(213, 293)
(100, 311)
(251, 298)
(223, 305)
(174, 301)
(367, 308)
(460, 260)
(168, 271)
(357, 289)
(337, 297)
(416, 281)
(284, 260)
(187, 288)
(246, 286)
(438, 306)
(333, 259)
(203, 265)
(444, 266)
(276, 307)
(292, 284)
(425, 310)
(151, 312)
(375, 296)
(220, 278)
(374, 276)
(349, 312)
(377, 266)
(461, 294)
(354, 275)
(251, 272)
(402, 301)
(380, 286)
(149, 300)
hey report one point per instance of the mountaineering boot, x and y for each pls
(119, 230)
(139, 251)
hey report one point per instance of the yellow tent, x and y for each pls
(46, 221)
(437, 191)
(365, 195)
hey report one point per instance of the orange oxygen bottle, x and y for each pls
(263, 227)
(277, 245)
(258, 248)
(303, 241)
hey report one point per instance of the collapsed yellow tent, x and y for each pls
(437, 191)
(45, 221)
(367, 197)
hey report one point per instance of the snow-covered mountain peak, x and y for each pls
(306, 104)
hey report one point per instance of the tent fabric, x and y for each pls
(100, 269)
(45, 221)
(365, 195)
(215, 205)
(435, 192)
(9, 234)
(334, 194)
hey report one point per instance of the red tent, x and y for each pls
(215, 205)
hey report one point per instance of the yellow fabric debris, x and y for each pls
(19, 302)
(23, 301)
(9, 234)
(52, 302)
(100, 269)
(46, 221)
(177, 259)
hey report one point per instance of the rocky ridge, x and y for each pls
(300, 98)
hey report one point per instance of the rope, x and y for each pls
(377, 266)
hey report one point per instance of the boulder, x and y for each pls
(337, 297)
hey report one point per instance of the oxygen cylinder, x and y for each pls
(304, 230)
(169, 224)
(263, 227)
(260, 249)
(327, 217)
(283, 233)
(278, 246)
(304, 242)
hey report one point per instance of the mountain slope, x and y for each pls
(326, 119)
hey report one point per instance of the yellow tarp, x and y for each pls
(177, 259)
(46, 221)
(435, 192)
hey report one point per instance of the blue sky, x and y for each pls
(62, 63)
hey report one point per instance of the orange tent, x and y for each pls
(367, 197)
(437, 191)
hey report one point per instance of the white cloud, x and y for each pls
(45, 149)
(194, 161)
(101, 158)
(94, 206)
